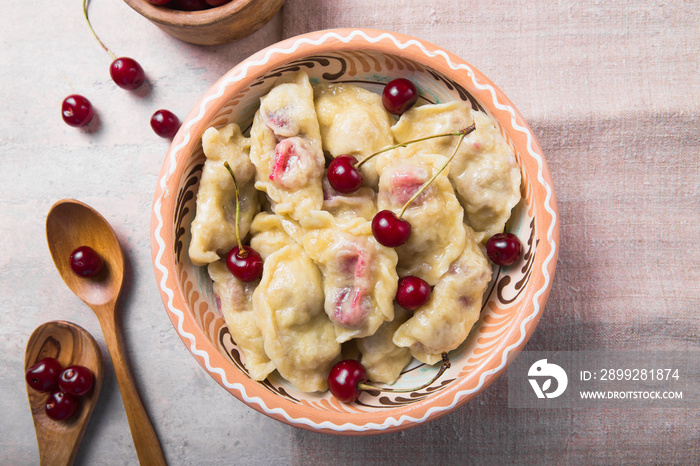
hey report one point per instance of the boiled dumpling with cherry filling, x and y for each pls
(384, 360)
(286, 148)
(213, 228)
(269, 234)
(361, 203)
(436, 217)
(444, 322)
(353, 121)
(288, 306)
(234, 300)
(359, 274)
(484, 172)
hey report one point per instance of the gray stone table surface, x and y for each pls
(612, 92)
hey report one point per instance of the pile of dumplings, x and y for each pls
(328, 287)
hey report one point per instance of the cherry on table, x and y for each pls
(399, 95)
(127, 73)
(389, 229)
(503, 248)
(412, 292)
(85, 262)
(343, 176)
(76, 380)
(61, 405)
(165, 123)
(76, 110)
(246, 266)
(43, 376)
(344, 378)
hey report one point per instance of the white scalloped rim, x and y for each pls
(161, 246)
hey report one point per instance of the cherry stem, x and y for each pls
(404, 144)
(241, 251)
(445, 365)
(462, 134)
(85, 13)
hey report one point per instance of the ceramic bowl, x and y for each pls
(234, 20)
(514, 299)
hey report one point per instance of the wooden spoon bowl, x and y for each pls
(234, 20)
(70, 344)
(70, 224)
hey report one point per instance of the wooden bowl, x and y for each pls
(234, 20)
(514, 300)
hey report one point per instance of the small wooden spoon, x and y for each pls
(70, 345)
(69, 225)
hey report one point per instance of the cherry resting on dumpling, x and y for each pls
(243, 262)
(346, 381)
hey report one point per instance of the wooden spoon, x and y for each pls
(69, 225)
(70, 345)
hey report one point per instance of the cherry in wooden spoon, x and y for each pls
(69, 225)
(70, 344)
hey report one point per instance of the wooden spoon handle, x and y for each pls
(146, 442)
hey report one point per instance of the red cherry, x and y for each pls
(76, 380)
(344, 378)
(127, 73)
(43, 376)
(246, 268)
(77, 110)
(189, 5)
(412, 292)
(503, 248)
(399, 95)
(390, 230)
(343, 176)
(61, 406)
(165, 123)
(85, 262)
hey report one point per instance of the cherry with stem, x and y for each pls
(125, 72)
(344, 173)
(392, 230)
(242, 261)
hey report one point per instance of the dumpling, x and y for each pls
(234, 300)
(288, 308)
(444, 322)
(359, 274)
(361, 203)
(213, 228)
(268, 234)
(437, 228)
(353, 121)
(286, 148)
(485, 172)
(384, 360)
